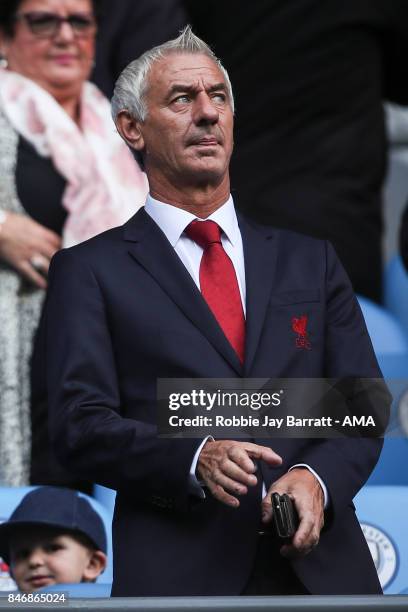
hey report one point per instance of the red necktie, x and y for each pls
(218, 283)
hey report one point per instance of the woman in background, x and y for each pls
(65, 177)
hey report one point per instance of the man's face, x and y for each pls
(187, 135)
(44, 558)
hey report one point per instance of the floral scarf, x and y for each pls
(105, 186)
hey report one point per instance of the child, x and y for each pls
(53, 537)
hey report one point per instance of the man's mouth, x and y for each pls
(208, 141)
(205, 141)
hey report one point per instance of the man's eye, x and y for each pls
(219, 97)
(183, 99)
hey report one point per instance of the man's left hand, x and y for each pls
(307, 494)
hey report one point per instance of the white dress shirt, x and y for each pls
(173, 221)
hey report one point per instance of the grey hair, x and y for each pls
(131, 86)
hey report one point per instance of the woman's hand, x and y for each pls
(28, 247)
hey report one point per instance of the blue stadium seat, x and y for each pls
(394, 456)
(391, 468)
(386, 333)
(84, 589)
(105, 496)
(382, 512)
(10, 497)
(391, 348)
(396, 291)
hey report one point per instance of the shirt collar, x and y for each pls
(173, 221)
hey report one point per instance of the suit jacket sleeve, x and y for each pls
(344, 464)
(89, 433)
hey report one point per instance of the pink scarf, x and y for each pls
(105, 186)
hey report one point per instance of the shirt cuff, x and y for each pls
(195, 486)
(320, 481)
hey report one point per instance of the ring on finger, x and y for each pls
(38, 262)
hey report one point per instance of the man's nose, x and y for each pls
(205, 110)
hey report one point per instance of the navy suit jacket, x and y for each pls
(122, 311)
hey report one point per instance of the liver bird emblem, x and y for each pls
(299, 325)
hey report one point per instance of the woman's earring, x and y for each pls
(3, 62)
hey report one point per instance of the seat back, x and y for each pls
(83, 589)
(382, 512)
(391, 348)
(386, 333)
(106, 497)
(396, 291)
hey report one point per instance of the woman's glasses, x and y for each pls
(47, 25)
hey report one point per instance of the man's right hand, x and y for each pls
(28, 247)
(227, 465)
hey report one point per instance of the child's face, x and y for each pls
(41, 557)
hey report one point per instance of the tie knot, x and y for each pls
(204, 233)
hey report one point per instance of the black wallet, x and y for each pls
(284, 515)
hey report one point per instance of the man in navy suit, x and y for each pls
(137, 303)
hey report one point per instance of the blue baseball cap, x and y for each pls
(55, 507)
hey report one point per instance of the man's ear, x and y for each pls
(129, 128)
(96, 565)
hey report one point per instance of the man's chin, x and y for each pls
(208, 169)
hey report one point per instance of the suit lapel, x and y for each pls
(260, 253)
(150, 248)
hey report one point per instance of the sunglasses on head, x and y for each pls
(46, 25)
